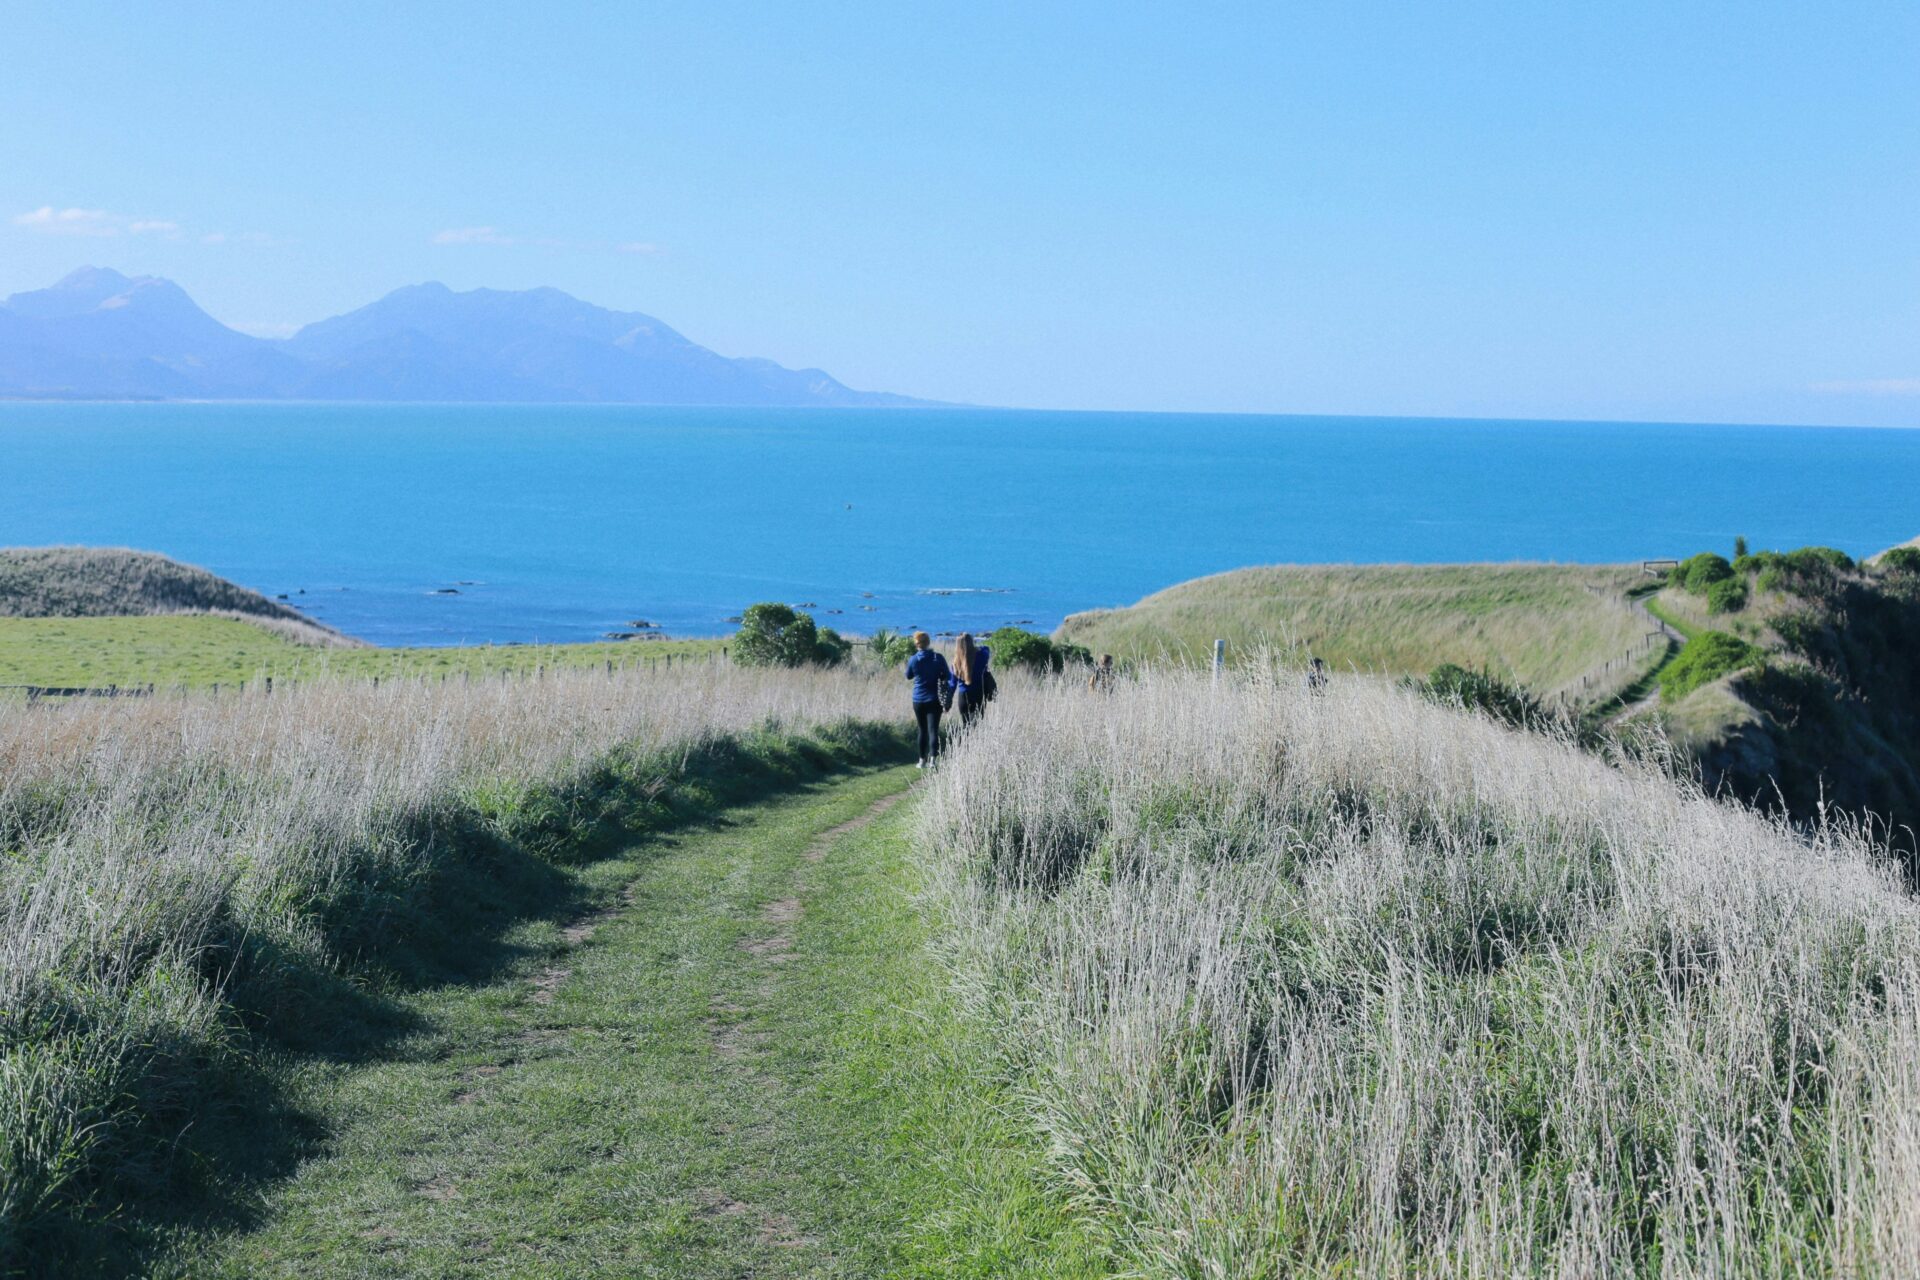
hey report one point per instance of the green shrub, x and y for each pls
(832, 648)
(1902, 560)
(890, 647)
(1706, 658)
(1727, 596)
(1816, 559)
(1483, 691)
(1739, 548)
(1015, 647)
(1697, 573)
(775, 635)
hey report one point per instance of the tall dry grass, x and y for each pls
(1354, 985)
(148, 845)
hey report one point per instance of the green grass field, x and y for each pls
(196, 652)
(1544, 625)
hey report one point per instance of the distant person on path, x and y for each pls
(930, 676)
(1316, 676)
(1101, 681)
(972, 682)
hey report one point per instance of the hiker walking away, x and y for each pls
(973, 684)
(930, 676)
(1101, 681)
(1316, 676)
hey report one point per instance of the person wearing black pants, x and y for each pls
(930, 676)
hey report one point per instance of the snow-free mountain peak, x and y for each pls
(100, 334)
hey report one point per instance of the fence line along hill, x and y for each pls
(1542, 625)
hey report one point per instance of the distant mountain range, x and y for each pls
(100, 335)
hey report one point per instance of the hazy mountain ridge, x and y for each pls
(98, 334)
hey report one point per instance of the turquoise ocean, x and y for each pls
(561, 523)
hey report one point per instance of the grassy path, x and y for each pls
(744, 1066)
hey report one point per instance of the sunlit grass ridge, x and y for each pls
(1304, 984)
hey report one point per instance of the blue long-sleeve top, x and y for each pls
(928, 671)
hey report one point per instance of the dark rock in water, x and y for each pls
(807, 605)
(869, 608)
(836, 611)
(302, 591)
(445, 591)
(734, 620)
(641, 624)
(281, 596)
(619, 635)
(866, 595)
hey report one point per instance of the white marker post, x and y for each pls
(1219, 659)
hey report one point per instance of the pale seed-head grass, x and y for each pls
(1348, 983)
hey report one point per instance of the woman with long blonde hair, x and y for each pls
(972, 684)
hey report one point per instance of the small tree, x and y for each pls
(776, 635)
(1739, 546)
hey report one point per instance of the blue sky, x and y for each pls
(1637, 210)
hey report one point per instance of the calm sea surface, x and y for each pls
(562, 523)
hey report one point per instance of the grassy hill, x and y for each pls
(1543, 625)
(1798, 687)
(101, 582)
(98, 617)
(196, 651)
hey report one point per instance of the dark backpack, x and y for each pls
(988, 686)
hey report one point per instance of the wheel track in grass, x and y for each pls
(729, 1068)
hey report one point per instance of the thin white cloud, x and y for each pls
(473, 235)
(48, 220)
(103, 224)
(1872, 387)
(636, 246)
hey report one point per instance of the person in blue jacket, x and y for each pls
(930, 676)
(972, 686)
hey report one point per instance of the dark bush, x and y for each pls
(775, 635)
(1727, 596)
(1015, 647)
(1706, 658)
(1483, 691)
(1739, 548)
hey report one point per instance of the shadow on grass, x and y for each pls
(198, 1128)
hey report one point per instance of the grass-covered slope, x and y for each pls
(1543, 625)
(193, 886)
(1349, 984)
(195, 651)
(99, 582)
(1799, 687)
